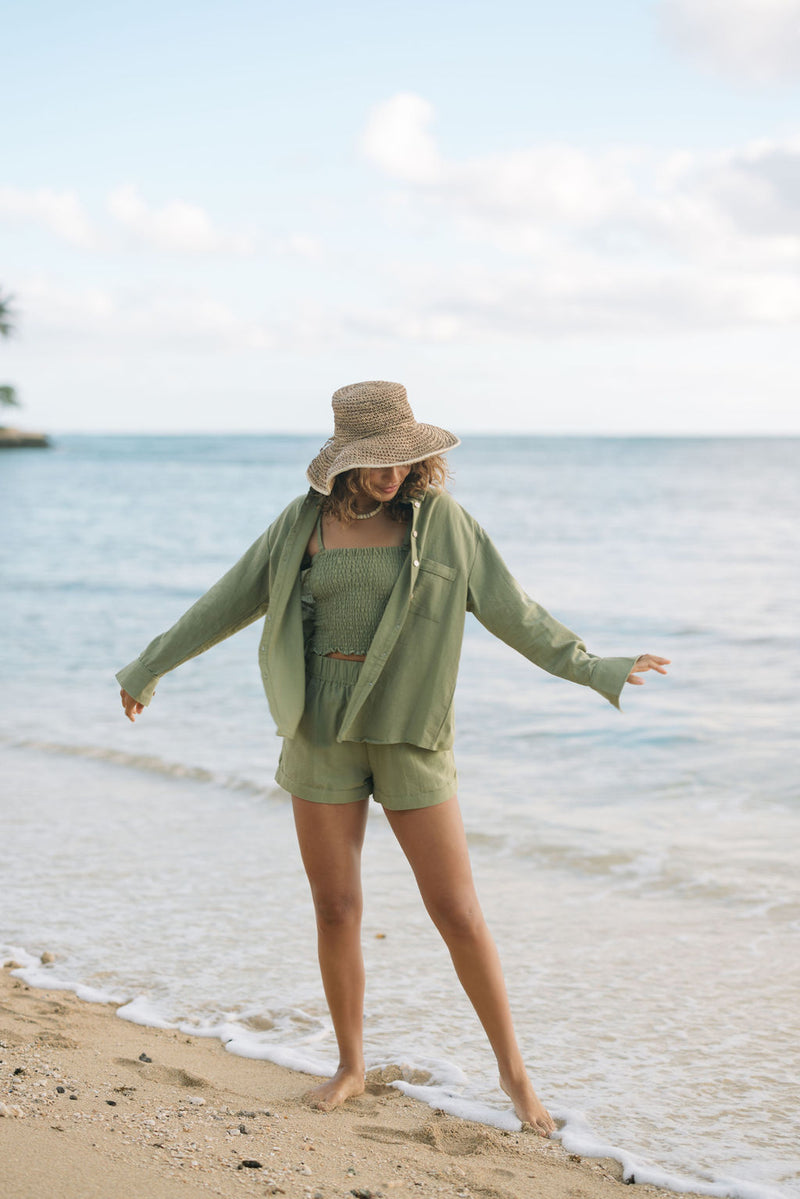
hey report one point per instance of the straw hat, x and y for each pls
(374, 426)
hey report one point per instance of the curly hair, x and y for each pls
(347, 487)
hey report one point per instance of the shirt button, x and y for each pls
(416, 561)
(415, 533)
(416, 503)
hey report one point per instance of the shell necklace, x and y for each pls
(369, 515)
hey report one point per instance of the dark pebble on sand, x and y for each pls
(61, 1090)
(144, 1058)
(19, 1070)
(250, 1164)
(111, 1102)
(73, 1096)
(243, 1130)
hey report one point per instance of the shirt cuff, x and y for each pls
(138, 681)
(609, 675)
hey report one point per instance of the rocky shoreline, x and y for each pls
(18, 439)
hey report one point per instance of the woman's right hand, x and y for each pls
(132, 706)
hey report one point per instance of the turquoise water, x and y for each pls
(638, 870)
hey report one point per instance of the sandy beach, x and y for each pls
(94, 1106)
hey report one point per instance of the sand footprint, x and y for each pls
(170, 1075)
(447, 1135)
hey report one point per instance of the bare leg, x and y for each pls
(331, 837)
(435, 844)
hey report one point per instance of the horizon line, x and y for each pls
(652, 434)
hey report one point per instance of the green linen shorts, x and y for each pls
(315, 766)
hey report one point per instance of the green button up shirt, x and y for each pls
(406, 685)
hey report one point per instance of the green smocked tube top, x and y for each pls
(349, 589)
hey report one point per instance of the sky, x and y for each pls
(580, 218)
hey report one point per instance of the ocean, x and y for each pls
(638, 870)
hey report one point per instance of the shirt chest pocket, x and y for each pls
(432, 589)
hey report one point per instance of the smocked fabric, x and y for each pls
(349, 589)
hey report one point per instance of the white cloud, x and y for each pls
(299, 245)
(597, 240)
(546, 181)
(756, 41)
(397, 139)
(178, 227)
(759, 189)
(60, 212)
(52, 306)
(124, 318)
(561, 298)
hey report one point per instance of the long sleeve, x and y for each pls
(504, 608)
(234, 601)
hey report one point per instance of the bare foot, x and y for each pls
(527, 1105)
(344, 1085)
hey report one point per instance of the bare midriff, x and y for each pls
(347, 657)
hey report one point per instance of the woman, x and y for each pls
(364, 583)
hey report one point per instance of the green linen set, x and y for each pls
(404, 689)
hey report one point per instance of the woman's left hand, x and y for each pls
(646, 662)
(131, 706)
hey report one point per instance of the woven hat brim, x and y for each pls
(374, 452)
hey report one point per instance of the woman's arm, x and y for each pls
(235, 600)
(505, 609)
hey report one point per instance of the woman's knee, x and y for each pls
(335, 910)
(457, 917)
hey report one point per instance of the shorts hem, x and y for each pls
(322, 794)
(428, 799)
(393, 803)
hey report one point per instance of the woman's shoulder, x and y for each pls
(294, 510)
(443, 505)
(443, 514)
(309, 499)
